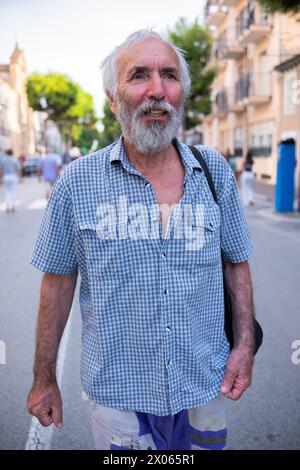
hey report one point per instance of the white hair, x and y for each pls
(109, 66)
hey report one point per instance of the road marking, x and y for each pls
(276, 217)
(39, 437)
(37, 204)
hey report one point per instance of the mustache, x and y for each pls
(154, 106)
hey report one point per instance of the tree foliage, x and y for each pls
(70, 107)
(111, 128)
(196, 41)
(283, 6)
(53, 93)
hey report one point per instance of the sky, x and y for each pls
(74, 36)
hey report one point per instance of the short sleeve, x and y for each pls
(54, 250)
(236, 243)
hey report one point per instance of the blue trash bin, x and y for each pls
(284, 194)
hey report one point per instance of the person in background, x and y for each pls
(10, 171)
(247, 179)
(50, 170)
(231, 160)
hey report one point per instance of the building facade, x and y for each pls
(256, 93)
(16, 124)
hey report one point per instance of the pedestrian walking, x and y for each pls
(230, 158)
(247, 180)
(10, 171)
(50, 170)
(139, 223)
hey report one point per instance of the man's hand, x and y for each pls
(44, 402)
(238, 373)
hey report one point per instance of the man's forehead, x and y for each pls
(146, 54)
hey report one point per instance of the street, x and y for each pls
(268, 415)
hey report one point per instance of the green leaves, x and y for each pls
(283, 6)
(66, 104)
(196, 41)
(54, 93)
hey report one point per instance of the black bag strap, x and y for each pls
(202, 162)
(258, 332)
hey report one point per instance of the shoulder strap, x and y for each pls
(202, 162)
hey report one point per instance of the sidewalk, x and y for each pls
(266, 192)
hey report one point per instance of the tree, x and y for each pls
(53, 93)
(78, 118)
(283, 6)
(111, 128)
(196, 41)
(70, 107)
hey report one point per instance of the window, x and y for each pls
(288, 93)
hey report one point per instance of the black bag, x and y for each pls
(258, 333)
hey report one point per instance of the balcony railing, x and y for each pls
(227, 46)
(229, 3)
(222, 102)
(214, 13)
(253, 24)
(242, 87)
(256, 88)
(210, 7)
(238, 151)
(261, 151)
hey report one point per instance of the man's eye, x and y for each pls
(170, 76)
(138, 76)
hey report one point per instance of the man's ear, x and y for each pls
(112, 102)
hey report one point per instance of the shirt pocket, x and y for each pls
(202, 241)
(106, 252)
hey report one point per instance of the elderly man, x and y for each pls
(138, 221)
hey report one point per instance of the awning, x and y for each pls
(288, 64)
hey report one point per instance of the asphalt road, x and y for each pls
(267, 417)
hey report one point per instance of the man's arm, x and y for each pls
(239, 366)
(44, 399)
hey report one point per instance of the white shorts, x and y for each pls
(201, 428)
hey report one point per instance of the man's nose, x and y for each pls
(156, 88)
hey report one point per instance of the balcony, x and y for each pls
(253, 89)
(221, 102)
(229, 3)
(214, 13)
(216, 18)
(253, 25)
(235, 103)
(217, 57)
(226, 101)
(261, 151)
(232, 50)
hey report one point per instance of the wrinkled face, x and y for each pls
(149, 98)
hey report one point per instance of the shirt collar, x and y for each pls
(118, 154)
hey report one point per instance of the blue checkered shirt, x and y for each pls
(152, 307)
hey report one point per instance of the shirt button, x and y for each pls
(163, 255)
(169, 362)
(168, 328)
(166, 291)
(147, 185)
(211, 224)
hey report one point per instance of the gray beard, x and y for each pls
(155, 135)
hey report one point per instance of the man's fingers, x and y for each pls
(228, 381)
(57, 415)
(44, 417)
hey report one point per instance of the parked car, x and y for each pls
(31, 166)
